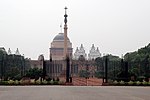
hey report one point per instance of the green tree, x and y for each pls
(139, 61)
(99, 74)
(84, 73)
(12, 72)
(34, 73)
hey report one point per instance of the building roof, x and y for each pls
(3, 50)
(59, 37)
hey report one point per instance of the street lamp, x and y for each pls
(105, 69)
(3, 65)
(87, 74)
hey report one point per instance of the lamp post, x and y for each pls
(87, 73)
(3, 65)
(1, 62)
(114, 70)
(106, 69)
(22, 65)
(67, 69)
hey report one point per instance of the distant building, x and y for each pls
(94, 53)
(13, 63)
(80, 53)
(37, 63)
(60, 48)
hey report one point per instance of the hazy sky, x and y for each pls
(115, 26)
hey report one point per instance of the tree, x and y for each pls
(34, 73)
(99, 74)
(84, 73)
(139, 61)
(12, 72)
(99, 63)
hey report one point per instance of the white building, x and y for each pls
(94, 53)
(80, 52)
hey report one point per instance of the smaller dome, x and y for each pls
(41, 58)
(60, 37)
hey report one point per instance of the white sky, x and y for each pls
(115, 26)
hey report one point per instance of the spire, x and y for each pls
(77, 49)
(93, 47)
(9, 51)
(17, 52)
(81, 45)
(97, 49)
(65, 15)
(82, 48)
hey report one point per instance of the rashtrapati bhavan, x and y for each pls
(79, 60)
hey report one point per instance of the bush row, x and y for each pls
(30, 82)
(130, 83)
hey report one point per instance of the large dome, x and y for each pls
(57, 47)
(60, 37)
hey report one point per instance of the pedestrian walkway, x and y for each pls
(78, 81)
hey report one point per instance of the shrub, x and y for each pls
(38, 82)
(25, 82)
(138, 83)
(49, 82)
(44, 82)
(122, 82)
(115, 82)
(149, 83)
(4, 82)
(130, 83)
(48, 79)
(55, 83)
(17, 77)
(11, 82)
(16, 82)
(110, 81)
(61, 83)
(32, 82)
(145, 83)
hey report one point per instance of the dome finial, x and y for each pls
(66, 10)
(65, 15)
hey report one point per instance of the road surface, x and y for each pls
(74, 93)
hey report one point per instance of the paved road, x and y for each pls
(73, 93)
